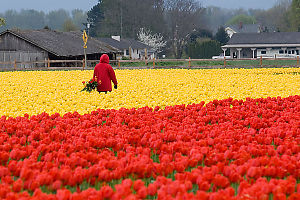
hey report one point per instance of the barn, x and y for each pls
(31, 48)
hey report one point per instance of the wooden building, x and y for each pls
(27, 46)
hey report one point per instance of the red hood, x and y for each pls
(104, 59)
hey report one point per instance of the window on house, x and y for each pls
(127, 52)
(293, 51)
(281, 51)
(297, 51)
(285, 51)
(290, 52)
(263, 52)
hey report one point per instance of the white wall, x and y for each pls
(271, 53)
(137, 54)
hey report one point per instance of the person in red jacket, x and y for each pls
(104, 74)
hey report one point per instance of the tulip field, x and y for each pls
(213, 134)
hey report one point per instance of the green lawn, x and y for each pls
(212, 63)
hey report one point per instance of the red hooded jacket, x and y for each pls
(105, 73)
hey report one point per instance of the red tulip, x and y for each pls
(17, 185)
(63, 194)
(212, 146)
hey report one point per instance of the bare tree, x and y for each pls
(137, 15)
(79, 18)
(183, 16)
(276, 17)
(55, 19)
(294, 15)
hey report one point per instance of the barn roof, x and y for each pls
(62, 43)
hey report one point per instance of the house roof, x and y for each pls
(245, 28)
(124, 43)
(62, 43)
(265, 38)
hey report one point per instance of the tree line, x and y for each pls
(185, 25)
(32, 19)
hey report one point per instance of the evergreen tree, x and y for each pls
(95, 17)
(200, 33)
(204, 49)
(46, 27)
(222, 36)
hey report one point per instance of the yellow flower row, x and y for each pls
(35, 92)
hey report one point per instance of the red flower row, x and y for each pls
(227, 149)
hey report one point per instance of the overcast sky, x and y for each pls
(256, 4)
(48, 5)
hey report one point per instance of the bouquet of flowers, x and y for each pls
(91, 85)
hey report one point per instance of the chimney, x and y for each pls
(116, 37)
(241, 25)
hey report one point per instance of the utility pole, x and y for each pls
(121, 20)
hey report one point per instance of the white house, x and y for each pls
(267, 45)
(131, 48)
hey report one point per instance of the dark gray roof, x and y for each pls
(62, 43)
(246, 28)
(124, 43)
(265, 38)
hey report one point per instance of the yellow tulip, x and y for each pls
(59, 91)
